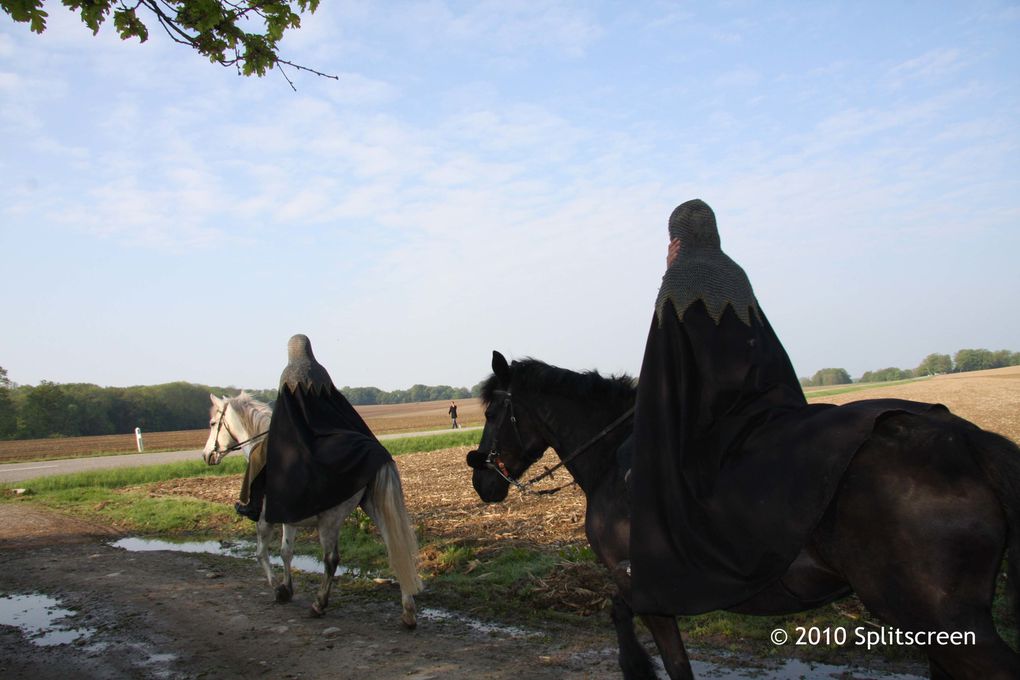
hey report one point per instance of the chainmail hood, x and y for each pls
(302, 368)
(702, 271)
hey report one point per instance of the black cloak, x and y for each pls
(319, 451)
(732, 469)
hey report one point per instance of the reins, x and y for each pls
(240, 445)
(494, 463)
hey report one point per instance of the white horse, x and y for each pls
(236, 420)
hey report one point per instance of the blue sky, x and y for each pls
(498, 175)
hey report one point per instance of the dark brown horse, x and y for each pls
(918, 527)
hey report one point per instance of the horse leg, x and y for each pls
(671, 646)
(263, 533)
(384, 503)
(633, 658)
(329, 537)
(285, 591)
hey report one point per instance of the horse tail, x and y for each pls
(387, 495)
(999, 458)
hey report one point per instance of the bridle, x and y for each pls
(494, 463)
(222, 425)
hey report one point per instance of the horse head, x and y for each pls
(220, 431)
(511, 439)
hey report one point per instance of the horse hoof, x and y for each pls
(283, 594)
(317, 611)
(409, 621)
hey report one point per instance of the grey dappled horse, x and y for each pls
(239, 419)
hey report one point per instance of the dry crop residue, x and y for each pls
(437, 486)
(440, 499)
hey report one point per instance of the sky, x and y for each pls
(499, 175)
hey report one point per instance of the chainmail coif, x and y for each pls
(302, 368)
(702, 271)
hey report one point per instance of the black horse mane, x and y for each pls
(533, 375)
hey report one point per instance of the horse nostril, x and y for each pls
(476, 460)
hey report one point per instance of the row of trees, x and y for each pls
(934, 364)
(363, 396)
(77, 409)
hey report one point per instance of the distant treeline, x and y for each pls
(79, 409)
(363, 396)
(933, 364)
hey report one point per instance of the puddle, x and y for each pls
(791, 669)
(433, 614)
(726, 666)
(239, 549)
(37, 616)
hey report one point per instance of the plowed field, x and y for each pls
(383, 419)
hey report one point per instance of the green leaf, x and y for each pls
(93, 12)
(128, 25)
(29, 11)
(216, 29)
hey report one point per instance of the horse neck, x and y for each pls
(249, 419)
(570, 423)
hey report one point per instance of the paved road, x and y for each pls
(16, 472)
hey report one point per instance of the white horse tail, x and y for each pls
(387, 496)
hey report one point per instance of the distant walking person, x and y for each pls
(453, 415)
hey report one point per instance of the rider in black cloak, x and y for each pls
(732, 469)
(319, 451)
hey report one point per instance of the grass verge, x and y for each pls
(811, 393)
(432, 442)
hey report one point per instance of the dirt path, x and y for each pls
(172, 615)
(178, 616)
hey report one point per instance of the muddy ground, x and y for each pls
(174, 615)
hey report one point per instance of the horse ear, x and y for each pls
(214, 399)
(500, 368)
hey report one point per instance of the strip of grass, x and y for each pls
(432, 442)
(116, 478)
(857, 387)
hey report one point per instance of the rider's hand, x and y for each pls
(674, 250)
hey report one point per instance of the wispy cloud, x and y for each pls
(744, 78)
(932, 65)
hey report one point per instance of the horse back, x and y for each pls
(916, 514)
